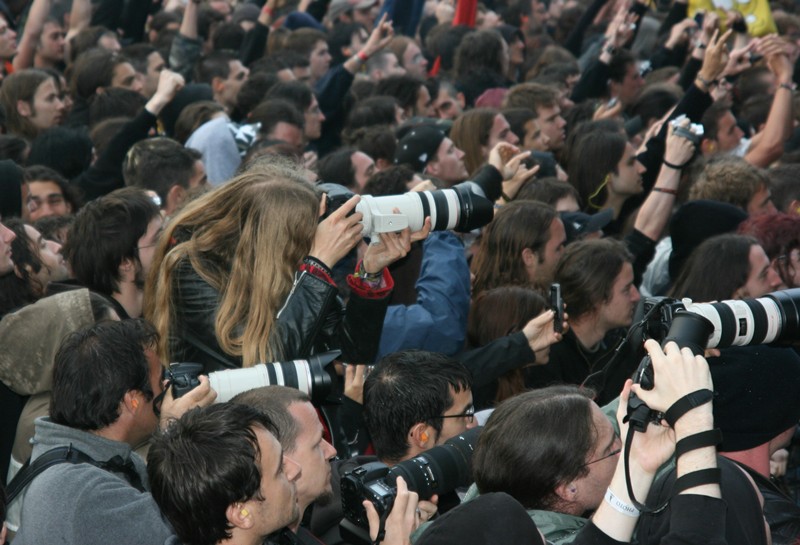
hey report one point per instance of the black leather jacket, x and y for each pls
(313, 319)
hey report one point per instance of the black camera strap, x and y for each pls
(70, 455)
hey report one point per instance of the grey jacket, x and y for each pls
(83, 504)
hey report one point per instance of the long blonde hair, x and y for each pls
(246, 239)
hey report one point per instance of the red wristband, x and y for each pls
(363, 56)
(268, 10)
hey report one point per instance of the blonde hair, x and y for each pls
(246, 239)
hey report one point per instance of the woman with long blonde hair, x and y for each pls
(242, 276)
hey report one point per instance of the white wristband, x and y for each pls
(620, 505)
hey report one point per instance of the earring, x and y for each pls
(245, 513)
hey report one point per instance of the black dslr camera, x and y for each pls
(687, 330)
(439, 470)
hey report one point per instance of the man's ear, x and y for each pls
(794, 207)
(530, 258)
(24, 108)
(131, 401)
(239, 516)
(175, 197)
(708, 146)
(216, 85)
(568, 492)
(462, 100)
(422, 436)
(127, 269)
(432, 168)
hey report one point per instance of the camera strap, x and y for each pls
(686, 404)
(70, 455)
(381, 528)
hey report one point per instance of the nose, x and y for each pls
(459, 153)
(54, 246)
(7, 234)
(640, 168)
(635, 295)
(291, 469)
(329, 450)
(512, 138)
(773, 277)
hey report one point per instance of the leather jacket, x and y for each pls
(313, 319)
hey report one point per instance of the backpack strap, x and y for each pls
(68, 455)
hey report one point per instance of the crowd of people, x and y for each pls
(395, 186)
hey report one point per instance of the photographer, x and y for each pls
(413, 401)
(106, 386)
(555, 452)
(242, 276)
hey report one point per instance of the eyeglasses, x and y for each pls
(468, 415)
(609, 455)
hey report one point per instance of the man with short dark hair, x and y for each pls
(220, 475)
(302, 438)
(225, 74)
(414, 401)
(179, 170)
(105, 380)
(280, 120)
(111, 245)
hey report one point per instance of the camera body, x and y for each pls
(773, 318)
(367, 482)
(694, 132)
(184, 377)
(439, 470)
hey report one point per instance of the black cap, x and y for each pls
(579, 224)
(418, 147)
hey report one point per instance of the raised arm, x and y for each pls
(767, 146)
(39, 11)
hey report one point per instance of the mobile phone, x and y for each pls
(557, 304)
(698, 18)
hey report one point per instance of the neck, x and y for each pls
(130, 297)
(114, 432)
(615, 202)
(589, 331)
(41, 62)
(756, 458)
(240, 536)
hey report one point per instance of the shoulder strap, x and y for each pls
(70, 455)
(30, 470)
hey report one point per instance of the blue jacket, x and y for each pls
(438, 321)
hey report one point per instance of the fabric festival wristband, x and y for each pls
(619, 505)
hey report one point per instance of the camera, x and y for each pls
(439, 470)
(694, 132)
(463, 208)
(773, 318)
(313, 376)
